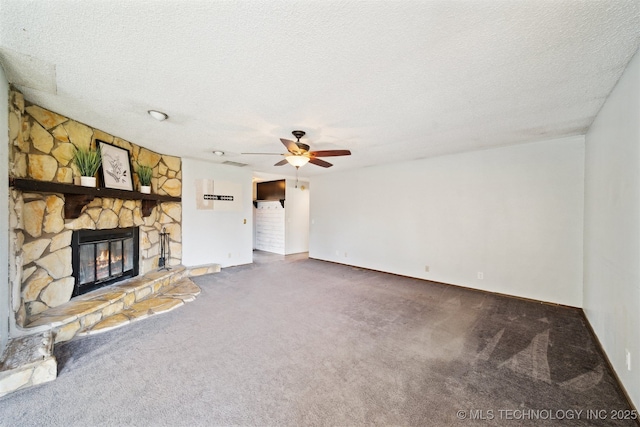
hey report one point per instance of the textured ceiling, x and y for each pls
(389, 80)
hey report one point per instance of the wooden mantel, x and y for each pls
(77, 197)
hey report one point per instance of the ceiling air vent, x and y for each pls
(240, 165)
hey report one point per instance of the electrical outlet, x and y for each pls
(480, 275)
(229, 254)
(628, 359)
(426, 268)
(345, 254)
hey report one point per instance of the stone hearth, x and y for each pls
(162, 290)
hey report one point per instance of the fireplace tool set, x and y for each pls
(165, 250)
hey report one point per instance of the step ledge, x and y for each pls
(93, 301)
(28, 375)
(201, 270)
(131, 314)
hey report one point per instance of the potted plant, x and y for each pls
(88, 161)
(145, 173)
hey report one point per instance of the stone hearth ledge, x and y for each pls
(27, 361)
(119, 304)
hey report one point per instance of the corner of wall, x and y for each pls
(4, 212)
(611, 284)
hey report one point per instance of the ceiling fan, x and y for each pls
(299, 154)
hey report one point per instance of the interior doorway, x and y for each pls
(281, 218)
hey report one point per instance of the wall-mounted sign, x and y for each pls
(217, 197)
(228, 197)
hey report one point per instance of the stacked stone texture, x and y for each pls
(43, 143)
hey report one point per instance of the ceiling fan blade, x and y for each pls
(330, 153)
(319, 162)
(281, 162)
(291, 146)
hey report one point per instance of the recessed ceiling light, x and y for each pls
(158, 115)
(219, 153)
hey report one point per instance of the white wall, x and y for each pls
(514, 214)
(612, 227)
(296, 217)
(210, 236)
(5, 308)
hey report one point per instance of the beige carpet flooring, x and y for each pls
(294, 342)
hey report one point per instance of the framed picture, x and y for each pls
(116, 167)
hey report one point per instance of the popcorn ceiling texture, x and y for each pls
(42, 143)
(390, 80)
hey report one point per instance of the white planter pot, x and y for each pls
(88, 181)
(145, 189)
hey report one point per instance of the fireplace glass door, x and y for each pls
(101, 257)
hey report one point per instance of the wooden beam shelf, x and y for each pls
(77, 197)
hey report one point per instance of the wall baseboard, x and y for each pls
(609, 364)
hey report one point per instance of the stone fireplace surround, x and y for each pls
(42, 143)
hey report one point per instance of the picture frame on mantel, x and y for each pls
(116, 166)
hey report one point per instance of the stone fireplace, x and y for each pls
(43, 233)
(102, 257)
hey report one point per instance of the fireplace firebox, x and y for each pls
(102, 257)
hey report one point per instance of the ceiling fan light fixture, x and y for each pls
(158, 115)
(298, 153)
(297, 161)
